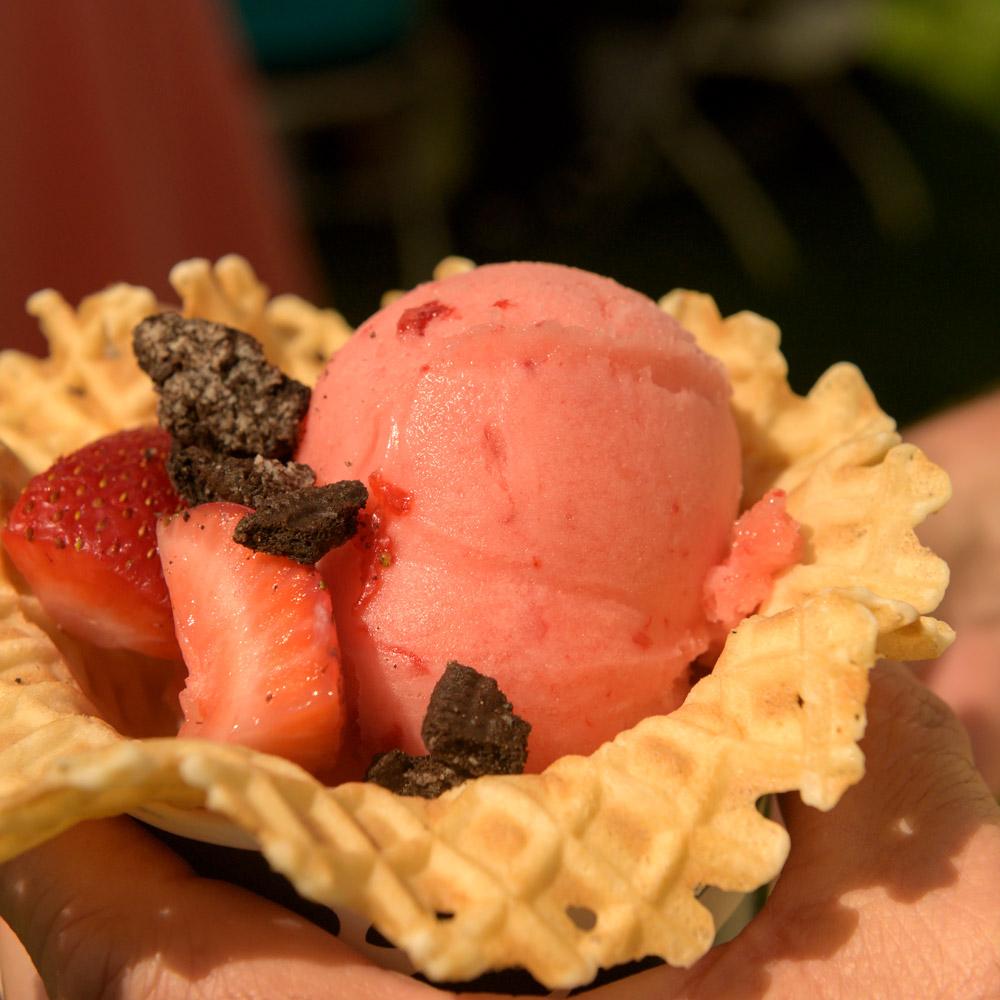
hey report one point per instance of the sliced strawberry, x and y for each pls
(83, 534)
(257, 635)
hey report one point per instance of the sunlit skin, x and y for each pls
(892, 894)
(966, 441)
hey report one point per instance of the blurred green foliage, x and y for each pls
(950, 47)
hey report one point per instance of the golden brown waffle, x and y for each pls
(598, 860)
(90, 385)
(856, 491)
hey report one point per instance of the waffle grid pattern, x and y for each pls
(598, 860)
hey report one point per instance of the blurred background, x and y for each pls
(832, 164)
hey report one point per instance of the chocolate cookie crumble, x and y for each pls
(306, 523)
(203, 476)
(234, 419)
(405, 774)
(471, 725)
(217, 390)
(470, 730)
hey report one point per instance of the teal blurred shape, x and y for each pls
(298, 34)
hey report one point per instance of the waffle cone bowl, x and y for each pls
(594, 862)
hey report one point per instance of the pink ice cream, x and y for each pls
(554, 471)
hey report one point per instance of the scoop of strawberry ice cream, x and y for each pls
(553, 470)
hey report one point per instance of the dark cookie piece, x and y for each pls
(471, 726)
(203, 476)
(406, 775)
(470, 730)
(217, 391)
(304, 524)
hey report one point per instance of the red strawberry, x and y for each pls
(83, 534)
(258, 638)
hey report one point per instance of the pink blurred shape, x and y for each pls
(132, 138)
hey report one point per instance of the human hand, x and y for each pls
(966, 533)
(893, 893)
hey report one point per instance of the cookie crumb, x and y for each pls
(217, 390)
(471, 725)
(304, 524)
(203, 476)
(470, 730)
(407, 775)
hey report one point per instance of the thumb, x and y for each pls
(18, 978)
(895, 889)
(105, 910)
(892, 893)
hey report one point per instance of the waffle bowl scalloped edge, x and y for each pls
(630, 835)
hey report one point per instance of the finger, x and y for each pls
(892, 893)
(897, 887)
(18, 978)
(967, 677)
(964, 441)
(966, 533)
(105, 910)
